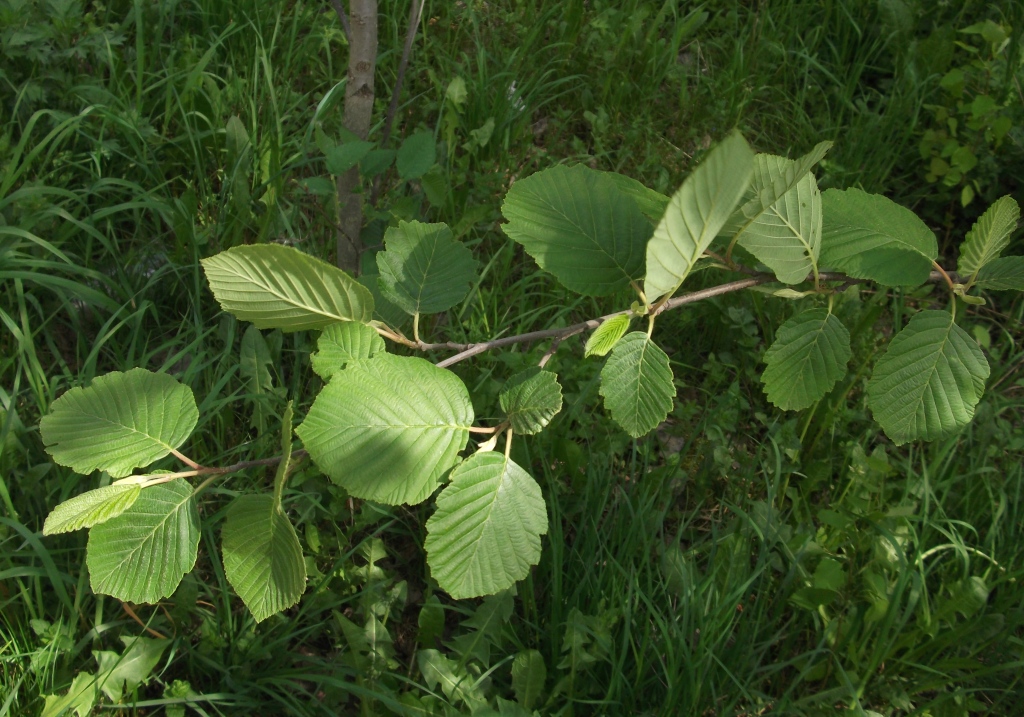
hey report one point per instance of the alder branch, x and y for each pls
(211, 470)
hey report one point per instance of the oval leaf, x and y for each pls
(486, 532)
(279, 287)
(929, 381)
(531, 399)
(1003, 274)
(388, 428)
(579, 226)
(606, 336)
(416, 155)
(989, 236)
(636, 383)
(808, 356)
(91, 508)
(142, 554)
(695, 215)
(120, 422)
(341, 343)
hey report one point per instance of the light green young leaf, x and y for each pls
(423, 269)
(929, 381)
(81, 698)
(606, 336)
(416, 155)
(578, 225)
(989, 236)
(1003, 274)
(388, 428)
(695, 215)
(809, 355)
(341, 343)
(142, 554)
(636, 383)
(279, 287)
(455, 681)
(486, 532)
(120, 422)
(529, 673)
(254, 368)
(125, 672)
(871, 237)
(650, 202)
(91, 508)
(531, 399)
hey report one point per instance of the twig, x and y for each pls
(550, 352)
(144, 626)
(216, 471)
(339, 9)
(185, 459)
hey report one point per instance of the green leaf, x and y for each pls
(531, 399)
(376, 161)
(989, 236)
(486, 532)
(423, 269)
(343, 157)
(871, 237)
(81, 698)
(120, 422)
(636, 383)
(929, 381)
(142, 554)
(809, 355)
(388, 428)
(1003, 274)
(650, 202)
(341, 343)
(238, 164)
(578, 225)
(279, 287)
(253, 367)
(529, 673)
(91, 508)
(125, 672)
(606, 336)
(695, 215)
(416, 155)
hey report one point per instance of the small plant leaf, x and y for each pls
(279, 287)
(91, 508)
(809, 355)
(341, 343)
(416, 155)
(650, 202)
(388, 428)
(606, 336)
(929, 381)
(342, 157)
(531, 399)
(871, 237)
(695, 215)
(1003, 274)
(423, 269)
(578, 225)
(119, 422)
(486, 532)
(122, 673)
(636, 383)
(529, 673)
(989, 236)
(254, 368)
(141, 555)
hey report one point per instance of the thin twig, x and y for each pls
(339, 9)
(216, 471)
(550, 352)
(147, 628)
(185, 459)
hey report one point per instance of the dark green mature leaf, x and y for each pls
(341, 343)
(871, 237)
(929, 381)
(531, 399)
(578, 225)
(142, 554)
(1003, 274)
(388, 428)
(91, 508)
(786, 237)
(254, 368)
(650, 202)
(416, 155)
(486, 532)
(989, 236)
(528, 676)
(636, 383)
(606, 336)
(342, 157)
(120, 422)
(424, 269)
(695, 215)
(279, 287)
(808, 356)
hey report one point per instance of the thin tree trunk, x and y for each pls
(362, 62)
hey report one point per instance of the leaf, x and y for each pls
(529, 674)
(376, 161)
(341, 343)
(809, 355)
(871, 237)
(485, 534)
(81, 698)
(929, 381)
(91, 508)
(142, 554)
(531, 399)
(416, 155)
(423, 269)
(253, 368)
(695, 215)
(989, 236)
(1003, 274)
(125, 672)
(119, 422)
(388, 428)
(279, 287)
(606, 336)
(636, 384)
(578, 225)
(342, 157)
(650, 202)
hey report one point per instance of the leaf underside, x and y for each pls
(989, 236)
(91, 508)
(341, 343)
(636, 383)
(1003, 274)
(531, 399)
(809, 355)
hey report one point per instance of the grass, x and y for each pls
(740, 562)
